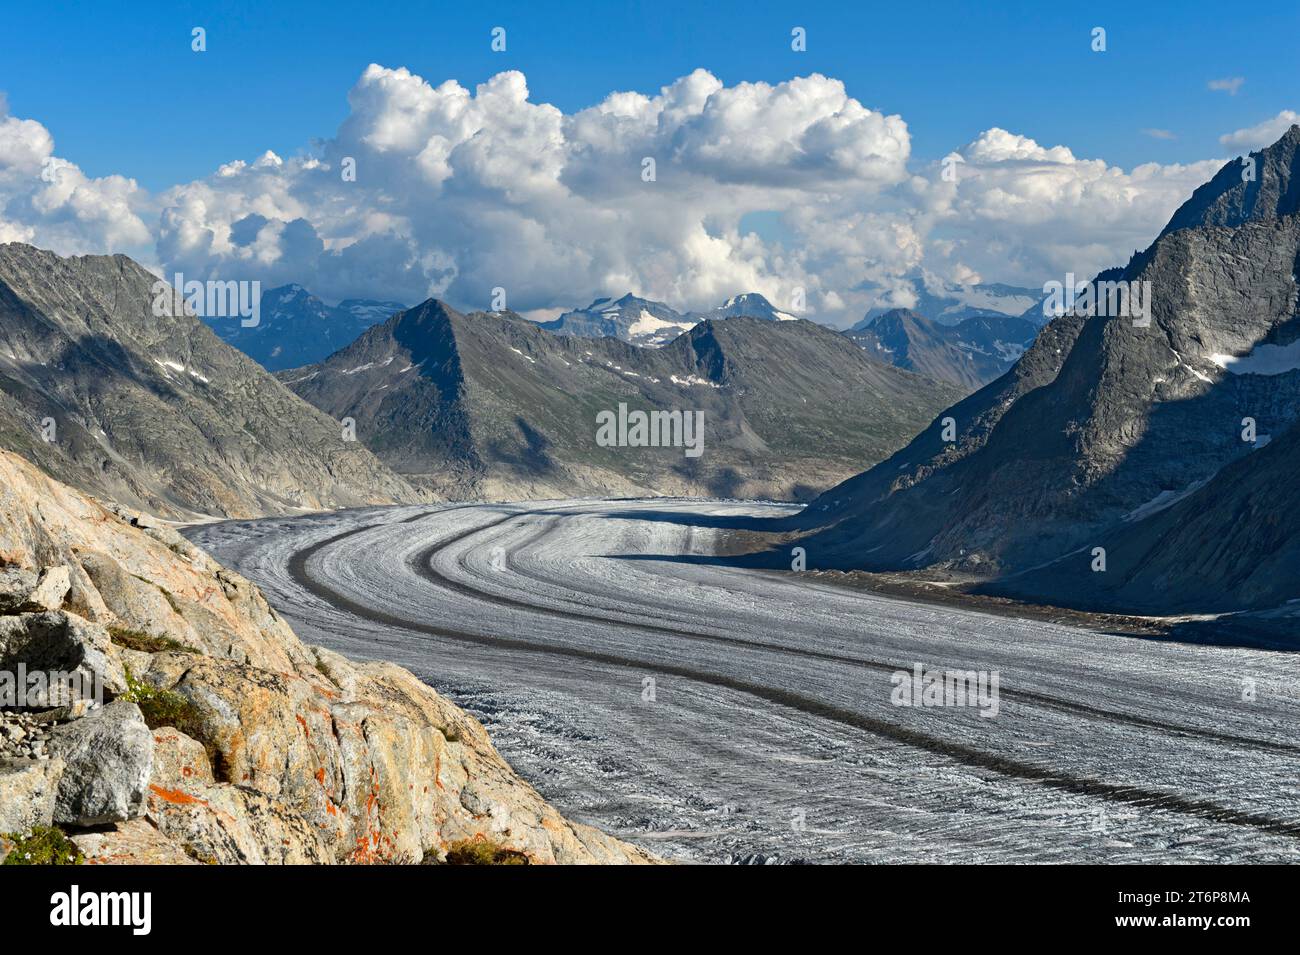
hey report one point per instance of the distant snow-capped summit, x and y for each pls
(753, 305)
(641, 321)
(631, 319)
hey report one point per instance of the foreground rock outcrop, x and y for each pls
(224, 738)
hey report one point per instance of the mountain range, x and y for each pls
(489, 405)
(1165, 445)
(1142, 466)
(968, 345)
(151, 409)
(643, 322)
(297, 328)
(950, 303)
(969, 354)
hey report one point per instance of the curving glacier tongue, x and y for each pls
(713, 713)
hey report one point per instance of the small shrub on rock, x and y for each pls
(483, 852)
(145, 642)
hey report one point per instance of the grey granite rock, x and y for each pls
(58, 643)
(28, 788)
(108, 759)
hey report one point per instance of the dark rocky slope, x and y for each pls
(155, 411)
(1101, 422)
(1233, 544)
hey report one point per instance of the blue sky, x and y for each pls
(108, 80)
(809, 175)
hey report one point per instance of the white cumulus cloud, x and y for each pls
(46, 200)
(458, 191)
(1018, 210)
(1261, 134)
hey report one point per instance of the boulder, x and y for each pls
(27, 791)
(59, 642)
(108, 759)
(16, 584)
(52, 588)
(24, 590)
(138, 605)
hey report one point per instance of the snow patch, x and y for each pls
(647, 324)
(1163, 500)
(177, 366)
(1008, 351)
(1262, 360)
(692, 380)
(367, 365)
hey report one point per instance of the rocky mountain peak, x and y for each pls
(1261, 185)
(752, 304)
(1108, 419)
(492, 405)
(896, 317)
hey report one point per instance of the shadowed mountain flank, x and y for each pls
(1107, 433)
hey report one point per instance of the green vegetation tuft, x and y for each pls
(203, 858)
(145, 642)
(324, 671)
(159, 707)
(43, 845)
(483, 852)
(167, 595)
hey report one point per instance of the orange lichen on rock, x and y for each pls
(175, 796)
